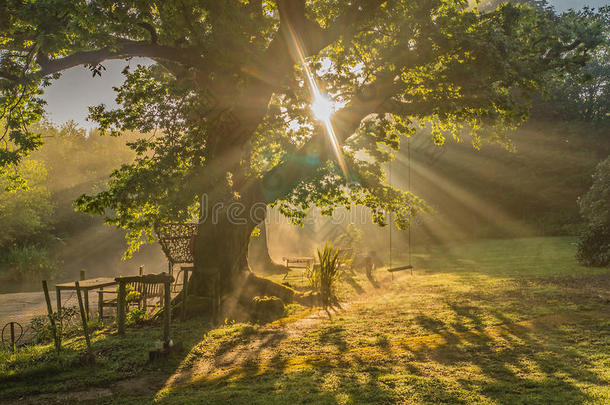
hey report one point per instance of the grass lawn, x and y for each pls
(493, 322)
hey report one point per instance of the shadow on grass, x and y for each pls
(117, 358)
(534, 362)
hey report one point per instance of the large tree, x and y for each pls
(226, 103)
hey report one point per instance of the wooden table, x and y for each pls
(85, 286)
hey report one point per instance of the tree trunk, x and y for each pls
(221, 260)
(220, 253)
(259, 258)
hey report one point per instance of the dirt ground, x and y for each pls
(22, 307)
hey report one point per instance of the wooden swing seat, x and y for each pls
(394, 269)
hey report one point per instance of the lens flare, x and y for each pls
(322, 107)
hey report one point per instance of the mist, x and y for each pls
(529, 189)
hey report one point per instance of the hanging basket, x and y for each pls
(176, 240)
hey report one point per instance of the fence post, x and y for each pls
(84, 318)
(58, 299)
(121, 308)
(100, 304)
(185, 280)
(167, 313)
(13, 345)
(56, 337)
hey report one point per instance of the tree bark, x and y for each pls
(259, 257)
(220, 253)
(221, 257)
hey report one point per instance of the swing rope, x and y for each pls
(392, 269)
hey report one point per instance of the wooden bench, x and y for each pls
(146, 292)
(303, 262)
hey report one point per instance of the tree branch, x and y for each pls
(311, 36)
(154, 38)
(255, 6)
(347, 23)
(292, 13)
(125, 50)
(8, 76)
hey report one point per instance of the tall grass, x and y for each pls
(324, 276)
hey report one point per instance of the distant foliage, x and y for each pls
(38, 214)
(25, 213)
(29, 263)
(26, 219)
(594, 243)
(351, 238)
(583, 95)
(78, 162)
(571, 99)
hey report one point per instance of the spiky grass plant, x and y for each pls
(324, 276)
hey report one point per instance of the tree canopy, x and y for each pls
(227, 102)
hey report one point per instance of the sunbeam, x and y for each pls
(321, 106)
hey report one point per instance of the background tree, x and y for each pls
(594, 242)
(25, 215)
(39, 222)
(572, 99)
(227, 103)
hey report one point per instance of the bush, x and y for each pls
(41, 326)
(266, 309)
(136, 316)
(131, 295)
(29, 263)
(594, 246)
(594, 242)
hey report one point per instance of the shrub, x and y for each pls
(29, 263)
(594, 242)
(41, 326)
(266, 309)
(351, 238)
(131, 295)
(594, 246)
(136, 316)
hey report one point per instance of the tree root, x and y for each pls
(253, 285)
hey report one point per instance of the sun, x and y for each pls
(322, 107)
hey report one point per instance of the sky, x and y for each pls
(70, 96)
